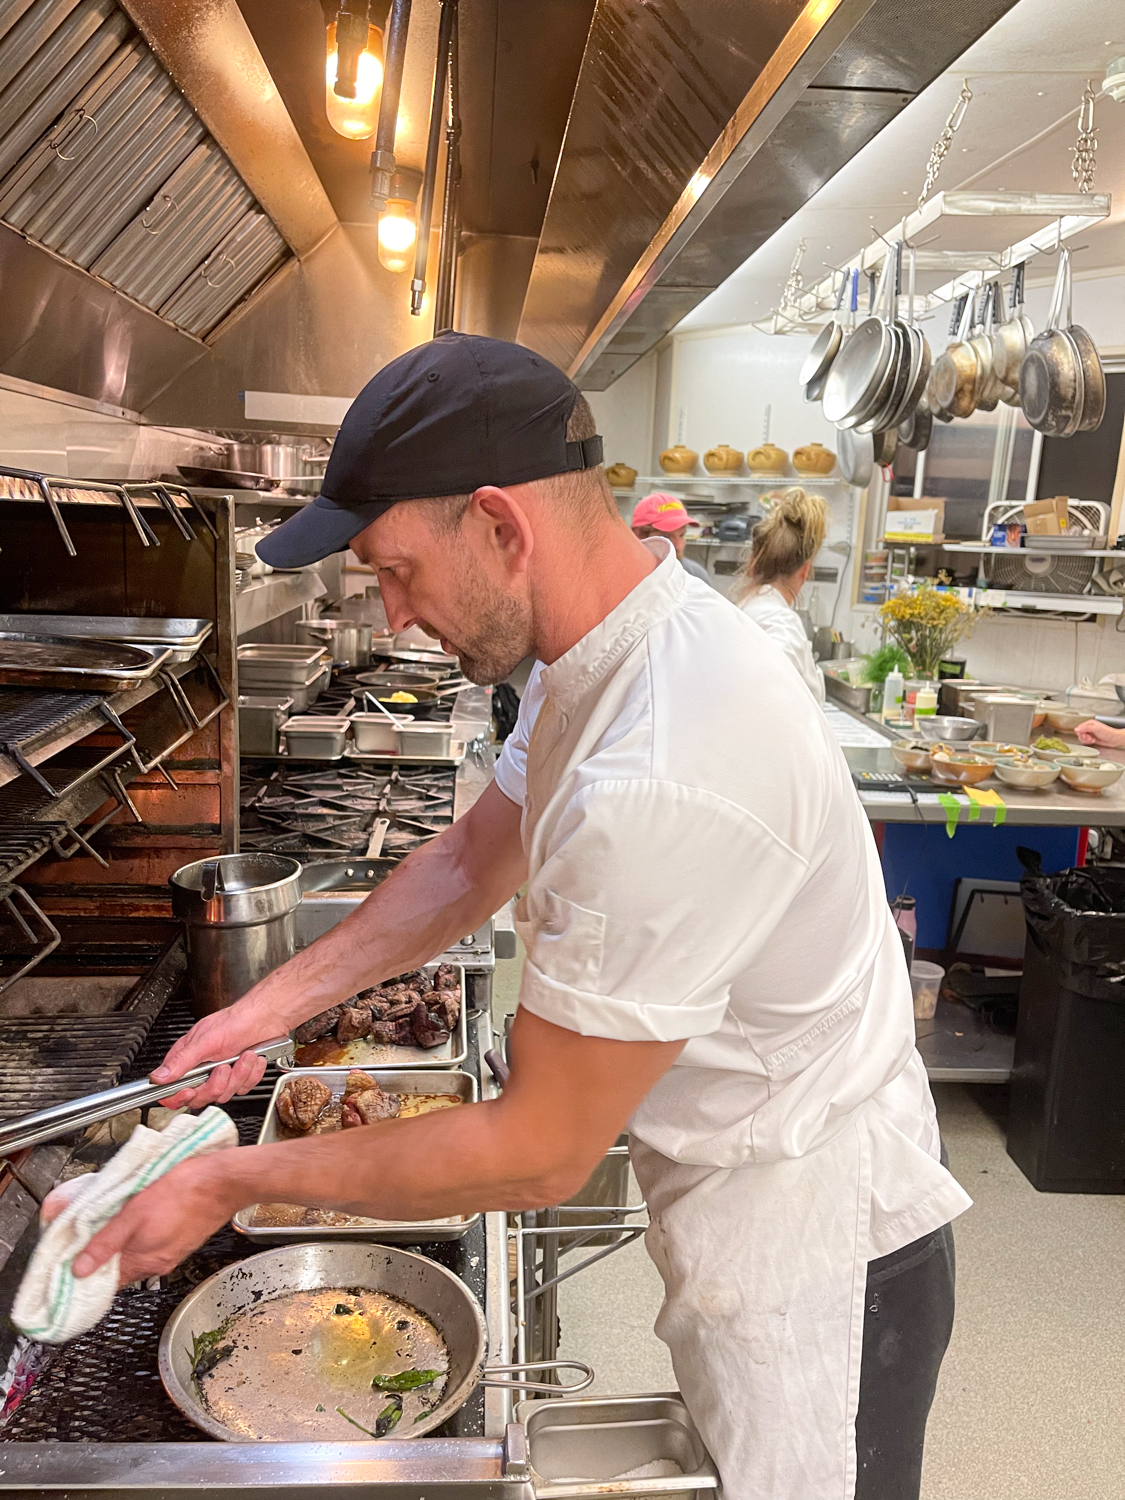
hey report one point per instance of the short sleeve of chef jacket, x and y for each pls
(511, 765)
(646, 899)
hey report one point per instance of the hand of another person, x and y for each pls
(1093, 733)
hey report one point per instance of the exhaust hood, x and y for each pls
(104, 163)
(695, 132)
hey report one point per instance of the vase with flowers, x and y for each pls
(927, 622)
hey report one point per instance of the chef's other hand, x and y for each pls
(160, 1226)
(1093, 733)
(226, 1033)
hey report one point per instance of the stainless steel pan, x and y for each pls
(48, 661)
(825, 347)
(1011, 338)
(1052, 378)
(317, 1376)
(957, 371)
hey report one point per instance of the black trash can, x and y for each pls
(1066, 1129)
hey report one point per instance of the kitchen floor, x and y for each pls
(1031, 1392)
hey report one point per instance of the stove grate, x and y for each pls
(25, 712)
(48, 1060)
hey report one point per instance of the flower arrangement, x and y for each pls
(927, 623)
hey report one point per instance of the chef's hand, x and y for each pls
(226, 1033)
(1093, 733)
(160, 1226)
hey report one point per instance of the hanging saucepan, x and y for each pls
(856, 457)
(954, 380)
(225, 1357)
(1010, 340)
(1052, 377)
(825, 347)
(914, 365)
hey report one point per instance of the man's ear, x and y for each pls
(503, 526)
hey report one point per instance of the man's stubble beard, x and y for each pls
(501, 635)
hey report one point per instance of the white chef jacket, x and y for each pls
(777, 617)
(700, 869)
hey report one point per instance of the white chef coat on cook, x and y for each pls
(777, 617)
(700, 869)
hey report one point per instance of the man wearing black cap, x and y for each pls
(710, 956)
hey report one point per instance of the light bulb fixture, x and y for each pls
(398, 228)
(1115, 80)
(353, 72)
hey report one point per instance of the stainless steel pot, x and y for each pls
(348, 640)
(238, 912)
(277, 460)
(260, 1279)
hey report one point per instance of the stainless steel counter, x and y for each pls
(1051, 807)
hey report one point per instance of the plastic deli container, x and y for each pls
(925, 981)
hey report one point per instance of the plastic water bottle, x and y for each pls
(894, 690)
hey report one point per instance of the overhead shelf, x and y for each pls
(1032, 550)
(671, 481)
(276, 595)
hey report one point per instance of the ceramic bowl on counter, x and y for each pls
(1075, 754)
(1028, 776)
(957, 768)
(1064, 720)
(1092, 777)
(999, 749)
(947, 727)
(911, 757)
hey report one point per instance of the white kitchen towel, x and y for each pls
(52, 1304)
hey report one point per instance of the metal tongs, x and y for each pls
(61, 1119)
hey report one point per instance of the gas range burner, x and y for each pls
(352, 813)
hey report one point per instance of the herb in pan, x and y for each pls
(408, 1380)
(207, 1350)
(386, 1420)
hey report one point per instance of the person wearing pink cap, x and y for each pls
(661, 514)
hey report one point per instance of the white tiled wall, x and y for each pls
(55, 438)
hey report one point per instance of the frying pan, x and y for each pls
(956, 371)
(1010, 339)
(989, 387)
(1052, 375)
(225, 479)
(855, 382)
(261, 1280)
(856, 457)
(825, 347)
(1093, 379)
(917, 430)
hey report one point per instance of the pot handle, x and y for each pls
(539, 1385)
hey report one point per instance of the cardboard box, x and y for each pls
(1047, 517)
(910, 520)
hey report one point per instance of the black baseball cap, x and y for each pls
(446, 418)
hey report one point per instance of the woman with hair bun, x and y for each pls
(781, 559)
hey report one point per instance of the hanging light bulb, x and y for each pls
(398, 229)
(353, 74)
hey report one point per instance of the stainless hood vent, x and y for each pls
(106, 164)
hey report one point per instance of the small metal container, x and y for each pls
(578, 1448)
(259, 723)
(1005, 717)
(348, 640)
(952, 729)
(238, 911)
(415, 1081)
(425, 739)
(374, 734)
(312, 737)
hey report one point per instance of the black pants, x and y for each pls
(906, 1329)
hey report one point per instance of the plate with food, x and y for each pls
(415, 1020)
(321, 1101)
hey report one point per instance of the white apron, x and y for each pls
(764, 1270)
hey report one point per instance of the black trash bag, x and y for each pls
(1067, 1125)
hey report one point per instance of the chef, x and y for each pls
(661, 514)
(710, 956)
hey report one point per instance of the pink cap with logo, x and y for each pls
(661, 511)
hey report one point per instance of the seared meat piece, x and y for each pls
(446, 978)
(317, 1026)
(390, 1007)
(428, 1029)
(301, 1101)
(447, 1005)
(355, 1021)
(398, 1033)
(357, 1081)
(367, 1106)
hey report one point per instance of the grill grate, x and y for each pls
(50, 1059)
(22, 844)
(24, 713)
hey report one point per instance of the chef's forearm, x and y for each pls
(457, 1161)
(444, 890)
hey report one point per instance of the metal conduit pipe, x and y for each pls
(394, 57)
(451, 208)
(433, 146)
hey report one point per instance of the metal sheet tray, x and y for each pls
(413, 1081)
(183, 636)
(454, 758)
(50, 661)
(373, 1057)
